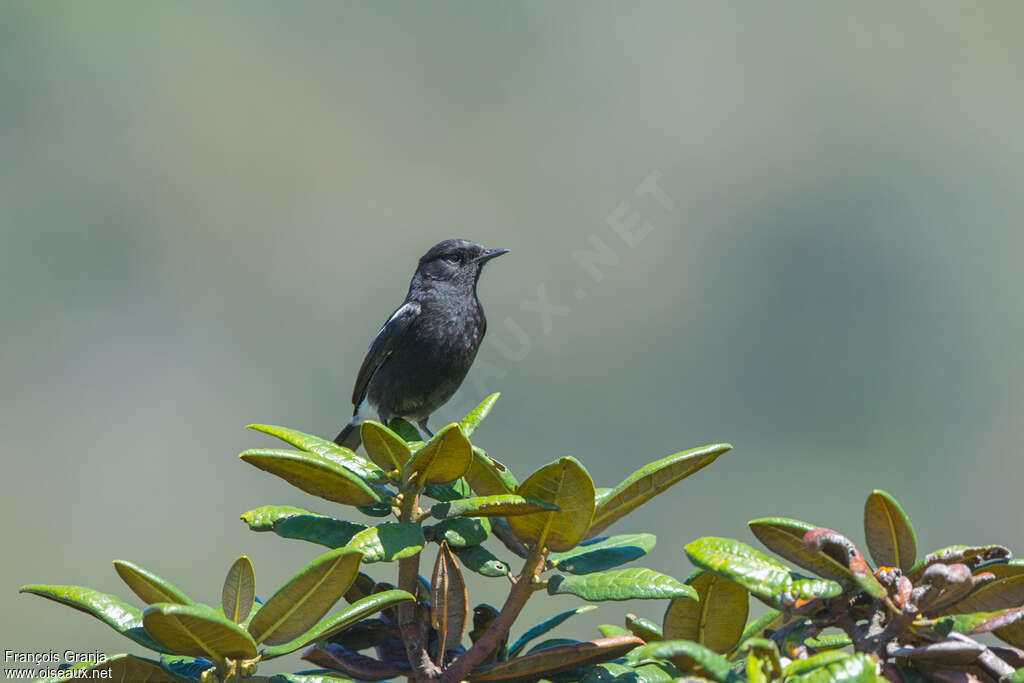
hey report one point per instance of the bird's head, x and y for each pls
(457, 262)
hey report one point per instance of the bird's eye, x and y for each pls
(453, 258)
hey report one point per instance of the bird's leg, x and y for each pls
(422, 424)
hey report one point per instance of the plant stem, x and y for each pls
(521, 591)
(422, 665)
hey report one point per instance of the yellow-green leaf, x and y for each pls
(306, 598)
(315, 475)
(443, 459)
(239, 590)
(197, 631)
(385, 448)
(487, 476)
(477, 415)
(566, 485)
(716, 620)
(888, 531)
(148, 586)
(649, 481)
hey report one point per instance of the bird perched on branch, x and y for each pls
(422, 353)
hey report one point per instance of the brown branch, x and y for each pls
(521, 591)
(423, 666)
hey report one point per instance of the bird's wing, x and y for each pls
(382, 346)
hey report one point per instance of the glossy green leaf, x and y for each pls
(387, 450)
(715, 620)
(548, 661)
(319, 676)
(443, 459)
(120, 667)
(838, 668)
(118, 615)
(621, 584)
(239, 591)
(314, 475)
(263, 518)
(407, 431)
(480, 560)
(462, 532)
(645, 629)
(473, 419)
(715, 665)
(976, 622)
(889, 534)
(197, 631)
(307, 596)
(148, 586)
(319, 529)
(785, 537)
(325, 449)
(609, 630)
(456, 490)
(772, 619)
(800, 666)
(759, 574)
(328, 626)
(566, 485)
(599, 554)
(544, 627)
(490, 506)
(388, 542)
(649, 481)
(488, 477)
(188, 668)
(831, 641)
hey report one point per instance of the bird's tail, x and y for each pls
(350, 436)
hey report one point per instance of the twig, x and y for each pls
(423, 666)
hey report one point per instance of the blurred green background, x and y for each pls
(207, 210)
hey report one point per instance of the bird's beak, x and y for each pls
(488, 255)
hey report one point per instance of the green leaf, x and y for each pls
(715, 620)
(327, 627)
(715, 665)
(890, 536)
(545, 626)
(314, 475)
(263, 518)
(456, 490)
(119, 616)
(537, 665)
(388, 542)
(488, 477)
(319, 529)
(1016, 677)
(772, 619)
(469, 423)
(759, 574)
(975, 622)
(566, 485)
(307, 596)
(325, 449)
(621, 584)
(188, 668)
(649, 481)
(148, 586)
(197, 631)
(239, 591)
(857, 668)
(645, 629)
(386, 449)
(800, 666)
(407, 431)
(490, 506)
(319, 676)
(120, 667)
(831, 641)
(599, 554)
(462, 532)
(785, 537)
(609, 630)
(443, 459)
(480, 560)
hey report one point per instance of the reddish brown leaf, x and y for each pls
(449, 603)
(542, 663)
(338, 658)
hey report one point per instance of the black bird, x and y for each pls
(422, 353)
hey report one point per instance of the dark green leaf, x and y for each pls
(119, 616)
(197, 631)
(329, 626)
(545, 626)
(319, 529)
(407, 431)
(890, 536)
(388, 542)
(325, 449)
(480, 560)
(649, 481)
(189, 668)
(477, 415)
(148, 586)
(319, 676)
(307, 596)
(599, 554)
(622, 584)
(490, 506)
(456, 490)
(461, 532)
(314, 475)
(239, 591)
